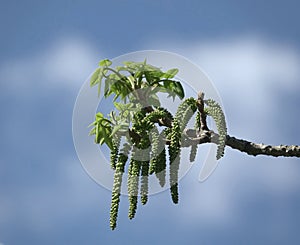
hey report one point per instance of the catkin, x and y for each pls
(154, 134)
(159, 113)
(115, 151)
(144, 182)
(184, 113)
(194, 148)
(216, 112)
(133, 185)
(197, 121)
(160, 170)
(115, 199)
(174, 151)
(158, 156)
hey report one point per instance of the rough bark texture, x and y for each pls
(262, 149)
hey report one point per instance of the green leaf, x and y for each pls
(92, 124)
(125, 109)
(150, 80)
(179, 90)
(153, 76)
(119, 106)
(106, 87)
(97, 78)
(98, 135)
(103, 136)
(99, 116)
(120, 88)
(105, 122)
(122, 127)
(102, 130)
(94, 79)
(138, 75)
(151, 68)
(132, 64)
(170, 73)
(92, 132)
(109, 143)
(105, 62)
(121, 68)
(108, 139)
(173, 88)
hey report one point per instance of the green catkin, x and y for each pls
(159, 113)
(174, 151)
(194, 148)
(139, 162)
(133, 185)
(215, 111)
(145, 145)
(160, 170)
(158, 156)
(115, 151)
(154, 134)
(144, 182)
(167, 133)
(198, 121)
(115, 199)
(184, 113)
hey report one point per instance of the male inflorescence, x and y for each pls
(147, 154)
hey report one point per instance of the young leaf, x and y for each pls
(173, 88)
(92, 132)
(179, 90)
(122, 127)
(170, 73)
(105, 62)
(94, 79)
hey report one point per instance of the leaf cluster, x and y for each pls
(125, 80)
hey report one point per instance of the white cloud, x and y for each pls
(65, 63)
(71, 194)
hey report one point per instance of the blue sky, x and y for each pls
(250, 50)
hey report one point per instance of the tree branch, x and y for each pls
(200, 106)
(191, 138)
(262, 149)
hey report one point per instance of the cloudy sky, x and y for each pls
(251, 52)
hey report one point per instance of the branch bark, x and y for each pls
(263, 149)
(254, 149)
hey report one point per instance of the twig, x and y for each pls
(200, 106)
(248, 147)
